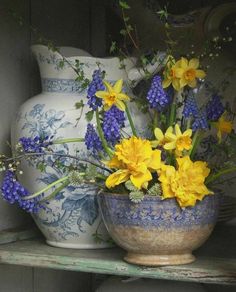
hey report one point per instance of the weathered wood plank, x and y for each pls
(15, 234)
(207, 269)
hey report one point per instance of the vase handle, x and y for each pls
(136, 74)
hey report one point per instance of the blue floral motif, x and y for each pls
(44, 123)
(155, 212)
(75, 206)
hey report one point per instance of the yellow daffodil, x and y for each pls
(161, 139)
(223, 126)
(113, 95)
(178, 141)
(170, 74)
(188, 72)
(134, 160)
(186, 183)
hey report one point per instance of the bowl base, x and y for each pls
(79, 245)
(159, 260)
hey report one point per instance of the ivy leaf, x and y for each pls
(79, 104)
(113, 47)
(124, 5)
(89, 115)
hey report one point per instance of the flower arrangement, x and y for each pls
(176, 158)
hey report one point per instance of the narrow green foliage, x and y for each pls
(41, 166)
(124, 5)
(113, 47)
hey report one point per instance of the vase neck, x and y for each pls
(58, 85)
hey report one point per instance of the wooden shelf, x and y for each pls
(216, 260)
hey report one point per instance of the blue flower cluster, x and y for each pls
(200, 123)
(190, 107)
(95, 85)
(92, 140)
(157, 96)
(113, 121)
(36, 144)
(13, 192)
(214, 108)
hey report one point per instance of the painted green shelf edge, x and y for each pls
(215, 263)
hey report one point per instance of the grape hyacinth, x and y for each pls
(13, 191)
(92, 140)
(190, 107)
(36, 144)
(157, 96)
(95, 85)
(200, 123)
(113, 121)
(214, 108)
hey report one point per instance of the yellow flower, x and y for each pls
(170, 74)
(113, 95)
(187, 72)
(179, 141)
(161, 139)
(135, 160)
(186, 183)
(223, 126)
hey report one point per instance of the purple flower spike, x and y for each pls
(157, 96)
(214, 108)
(95, 85)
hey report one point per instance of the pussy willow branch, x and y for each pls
(9, 159)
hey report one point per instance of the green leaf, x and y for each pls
(113, 47)
(41, 166)
(79, 104)
(124, 5)
(61, 64)
(89, 115)
(123, 32)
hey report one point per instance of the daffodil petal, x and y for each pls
(118, 86)
(102, 94)
(158, 134)
(140, 179)
(155, 162)
(176, 84)
(154, 143)
(200, 74)
(193, 83)
(188, 133)
(182, 82)
(166, 83)
(194, 63)
(170, 145)
(170, 136)
(122, 96)
(177, 130)
(120, 105)
(108, 86)
(184, 63)
(179, 72)
(117, 178)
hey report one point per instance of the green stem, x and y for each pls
(68, 140)
(195, 142)
(101, 135)
(172, 114)
(55, 192)
(130, 121)
(155, 120)
(46, 188)
(213, 177)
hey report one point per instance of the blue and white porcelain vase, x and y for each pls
(157, 232)
(72, 219)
